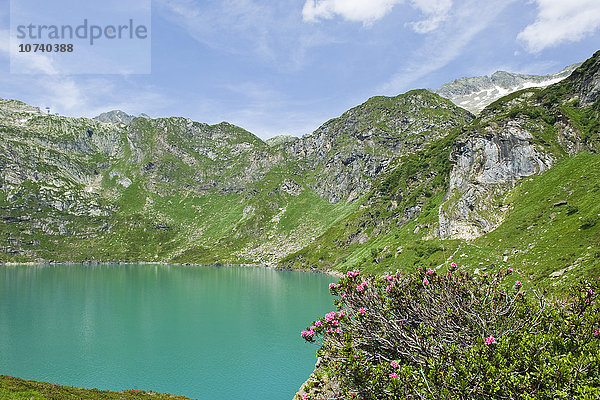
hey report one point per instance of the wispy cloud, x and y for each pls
(216, 24)
(463, 24)
(560, 21)
(369, 11)
(436, 12)
(82, 95)
(365, 11)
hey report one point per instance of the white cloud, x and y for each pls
(369, 11)
(561, 21)
(365, 11)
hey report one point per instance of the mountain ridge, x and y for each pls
(475, 93)
(396, 181)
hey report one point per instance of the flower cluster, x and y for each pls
(351, 274)
(330, 324)
(490, 340)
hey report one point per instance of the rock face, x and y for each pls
(485, 166)
(115, 117)
(281, 139)
(493, 159)
(345, 154)
(474, 94)
(585, 82)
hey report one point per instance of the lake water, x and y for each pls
(205, 332)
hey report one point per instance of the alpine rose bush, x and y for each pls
(456, 336)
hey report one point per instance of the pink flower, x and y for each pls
(305, 396)
(419, 268)
(330, 316)
(331, 285)
(453, 265)
(430, 271)
(518, 284)
(329, 330)
(596, 331)
(318, 323)
(340, 314)
(352, 394)
(393, 375)
(338, 330)
(388, 288)
(310, 333)
(490, 340)
(335, 322)
(362, 310)
(355, 356)
(425, 282)
(484, 275)
(510, 270)
(395, 364)
(350, 274)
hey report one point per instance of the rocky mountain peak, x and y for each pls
(475, 93)
(118, 117)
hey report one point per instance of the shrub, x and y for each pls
(456, 336)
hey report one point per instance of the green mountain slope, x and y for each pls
(174, 190)
(485, 195)
(394, 182)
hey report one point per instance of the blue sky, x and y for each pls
(287, 66)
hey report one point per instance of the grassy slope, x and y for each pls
(18, 389)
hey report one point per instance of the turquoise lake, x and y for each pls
(205, 332)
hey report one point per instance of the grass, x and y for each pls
(19, 389)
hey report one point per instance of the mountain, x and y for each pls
(117, 117)
(175, 190)
(514, 187)
(475, 93)
(392, 183)
(281, 139)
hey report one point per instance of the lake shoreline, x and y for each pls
(331, 272)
